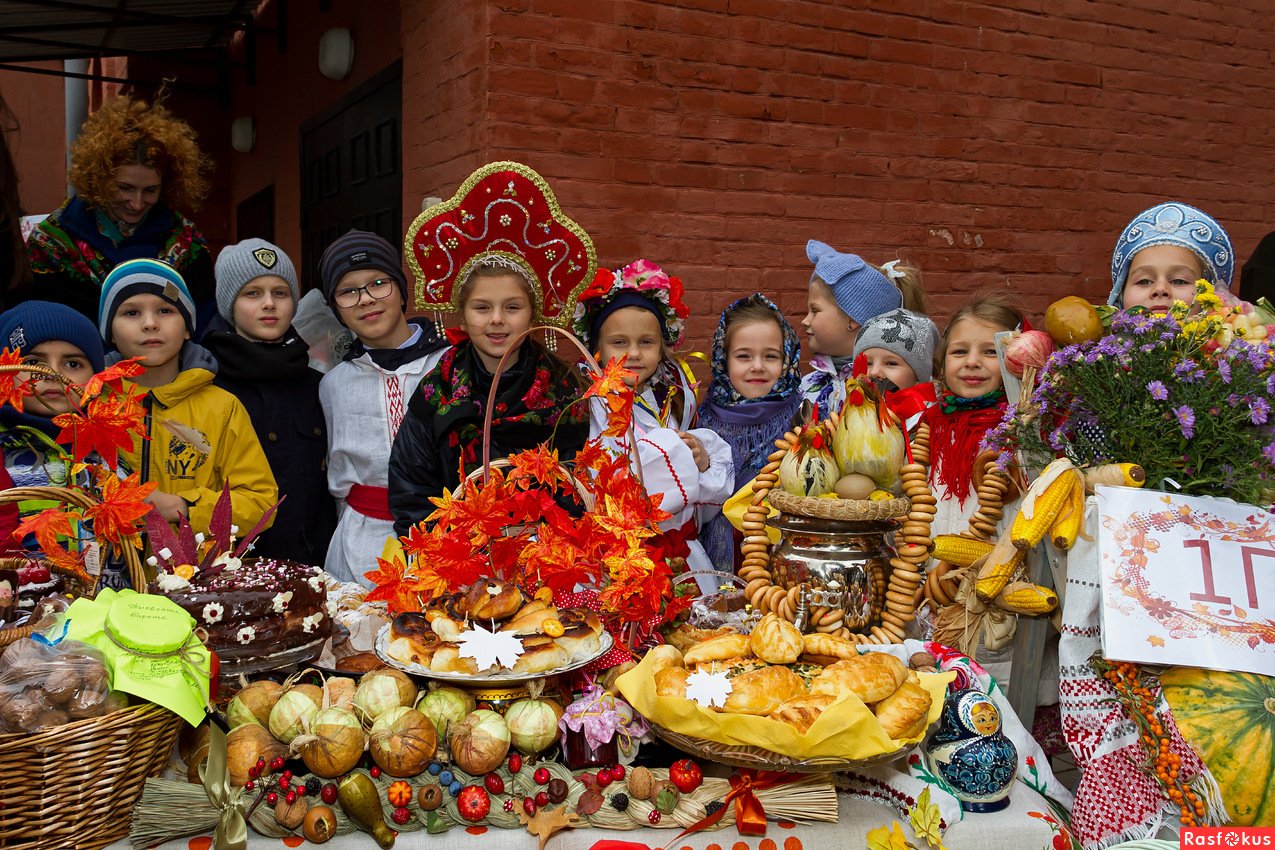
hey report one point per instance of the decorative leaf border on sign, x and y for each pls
(1222, 619)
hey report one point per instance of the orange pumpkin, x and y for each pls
(399, 793)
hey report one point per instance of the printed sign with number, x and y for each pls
(1186, 580)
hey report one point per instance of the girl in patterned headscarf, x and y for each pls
(752, 398)
(1162, 253)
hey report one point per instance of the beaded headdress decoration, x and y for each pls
(504, 214)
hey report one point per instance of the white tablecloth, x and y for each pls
(1025, 825)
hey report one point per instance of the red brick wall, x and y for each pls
(39, 147)
(1001, 145)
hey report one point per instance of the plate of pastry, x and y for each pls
(553, 640)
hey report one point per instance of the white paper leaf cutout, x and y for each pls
(708, 689)
(490, 649)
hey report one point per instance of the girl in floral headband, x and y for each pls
(637, 313)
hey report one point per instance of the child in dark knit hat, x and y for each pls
(58, 337)
(200, 436)
(263, 362)
(365, 396)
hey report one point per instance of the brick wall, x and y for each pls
(1000, 145)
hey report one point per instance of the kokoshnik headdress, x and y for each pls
(504, 214)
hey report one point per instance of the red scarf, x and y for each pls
(954, 441)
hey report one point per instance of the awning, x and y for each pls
(71, 29)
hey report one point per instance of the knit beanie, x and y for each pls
(359, 249)
(860, 290)
(240, 264)
(33, 323)
(144, 276)
(908, 335)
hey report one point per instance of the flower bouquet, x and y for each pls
(549, 529)
(1186, 394)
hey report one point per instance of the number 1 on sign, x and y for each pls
(1210, 593)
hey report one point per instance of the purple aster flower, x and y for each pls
(1269, 453)
(1224, 370)
(1186, 420)
(1258, 410)
(1158, 391)
(1270, 384)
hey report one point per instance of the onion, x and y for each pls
(381, 690)
(480, 742)
(445, 707)
(1029, 348)
(335, 743)
(339, 691)
(246, 744)
(294, 711)
(253, 703)
(403, 741)
(533, 725)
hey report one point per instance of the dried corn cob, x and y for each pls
(1023, 597)
(958, 550)
(999, 567)
(1066, 527)
(1048, 495)
(1116, 475)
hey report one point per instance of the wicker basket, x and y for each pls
(72, 585)
(844, 509)
(75, 785)
(80, 500)
(761, 759)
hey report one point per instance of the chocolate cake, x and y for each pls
(262, 608)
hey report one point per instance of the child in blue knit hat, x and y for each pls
(845, 292)
(59, 338)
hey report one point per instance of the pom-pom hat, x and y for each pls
(860, 290)
(1173, 223)
(504, 213)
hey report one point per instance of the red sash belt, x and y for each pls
(372, 502)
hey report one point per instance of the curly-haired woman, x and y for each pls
(137, 172)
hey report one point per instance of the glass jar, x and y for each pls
(844, 564)
(579, 754)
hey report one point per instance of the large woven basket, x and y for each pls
(762, 759)
(74, 786)
(862, 510)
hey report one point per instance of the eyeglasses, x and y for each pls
(352, 295)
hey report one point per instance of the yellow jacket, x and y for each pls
(201, 438)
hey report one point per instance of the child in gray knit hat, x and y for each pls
(899, 347)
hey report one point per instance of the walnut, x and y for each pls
(48, 718)
(86, 703)
(61, 684)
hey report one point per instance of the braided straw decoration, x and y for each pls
(897, 603)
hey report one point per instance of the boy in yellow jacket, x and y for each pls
(200, 435)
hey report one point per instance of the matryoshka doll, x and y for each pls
(971, 753)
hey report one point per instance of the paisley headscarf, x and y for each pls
(1178, 224)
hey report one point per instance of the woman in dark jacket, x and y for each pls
(135, 169)
(264, 363)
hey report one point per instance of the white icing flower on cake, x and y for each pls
(316, 583)
(228, 561)
(169, 583)
(311, 623)
(213, 612)
(333, 607)
(281, 601)
(246, 634)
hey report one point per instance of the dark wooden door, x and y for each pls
(351, 169)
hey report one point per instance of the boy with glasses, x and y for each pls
(365, 396)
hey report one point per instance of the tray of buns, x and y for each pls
(778, 699)
(554, 640)
(492, 677)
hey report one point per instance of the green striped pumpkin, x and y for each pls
(1229, 719)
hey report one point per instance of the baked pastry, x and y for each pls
(540, 653)
(902, 711)
(824, 649)
(776, 641)
(664, 656)
(412, 639)
(530, 619)
(581, 632)
(492, 599)
(871, 677)
(685, 635)
(360, 662)
(762, 691)
(449, 660)
(801, 712)
(671, 682)
(731, 645)
(445, 627)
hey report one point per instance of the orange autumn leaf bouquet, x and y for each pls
(540, 524)
(101, 423)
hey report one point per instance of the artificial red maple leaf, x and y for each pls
(555, 560)
(590, 456)
(459, 559)
(394, 586)
(107, 426)
(477, 513)
(537, 467)
(113, 376)
(615, 388)
(115, 518)
(48, 526)
(14, 386)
